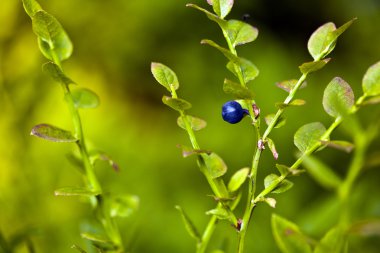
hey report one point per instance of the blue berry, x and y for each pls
(232, 112)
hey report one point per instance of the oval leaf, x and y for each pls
(31, 7)
(309, 67)
(124, 206)
(76, 191)
(56, 73)
(165, 76)
(238, 179)
(341, 145)
(219, 212)
(283, 169)
(308, 135)
(280, 122)
(338, 98)
(240, 32)
(332, 242)
(269, 180)
(50, 31)
(288, 85)
(195, 123)
(237, 90)
(215, 165)
(52, 133)
(247, 68)
(221, 7)
(222, 23)
(319, 41)
(85, 98)
(371, 80)
(189, 225)
(176, 103)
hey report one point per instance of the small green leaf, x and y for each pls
(95, 238)
(332, 242)
(371, 100)
(177, 104)
(85, 98)
(219, 212)
(223, 50)
(240, 33)
(341, 145)
(96, 155)
(52, 133)
(56, 73)
(124, 205)
(190, 227)
(288, 236)
(371, 80)
(295, 102)
(31, 7)
(222, 23)
(165, 76)
(308, 135)
(188, 151)
(221, 7)
(283, 169)
(321, 173)
(283, 187)
(280, 122)
(50, 32)
(195, 123)
(76, 191)
(271, 202)
(247, 68)
(338, 98)
(237, 90)
(215, 165)
(238, 179)
(269, 180)
(288, 85)
(309, 67)
(78, 248)
(272, 148)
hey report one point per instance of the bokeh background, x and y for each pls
(115, 41)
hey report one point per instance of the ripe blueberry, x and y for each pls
(232, 112)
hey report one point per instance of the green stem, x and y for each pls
(202, 245)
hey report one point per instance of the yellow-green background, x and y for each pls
(115, 41)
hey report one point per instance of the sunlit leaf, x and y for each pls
(50, 31)
(237, 90)
(247, 68)
(76, 191)
(222, 23)
(338, 98)
(195, 123)
(31, 7)
(288, 236)
(289, 85)
(280, 122)
(308, 135)
(165, 76)
(309, 67)
(215, 165)
(85, 98)
(371, 80)
(123, 205)
(95, 237)
(189, 225)
(295, 102)
(240, 32)
(219, 212)
(238, 179)
(56, 73)
(283, 169)
(176, 103)
(321, 173)
(271, 202)
(96, 155)
(332, 242)
(221, 7)
(272, 148)
(340, 145)
(52, 133)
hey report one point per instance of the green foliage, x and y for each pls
(238, 179)
(308, 135)
(76, 191)
(338, 98)
(85, 98)
(52, 133)
(371, 80)
(165, 76)
(191, 229)
(215, 165)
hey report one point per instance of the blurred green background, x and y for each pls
(115, 41)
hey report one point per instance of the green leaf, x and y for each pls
(223, 50)
(240, 32)
(56, 73)
(289, 85)
(190, 227)
(176, 103)
(272, 148)
(215, 165)
(31, 7)
(341, 145)
(271, 202)
(309, 67)
(85, 98)
(371, 80)
(372, 100)
(195, 123)
(188, 151)
(221, 7)
(321, 173)
(283, 169)
(280, 122)
(237, 90)
(52, 133)
(96, 155)
(238, 179)
(124, 205)
(332, 242)
(219, 212)
(308, 135)
(76, 191)
(282, 187)
(95, 238)
(165, 76)
(78, 248)
(338, 98)
(288, 236)
(222, 23)
(323, 40)
(247, 68)
(50, 31)
(295, 102)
